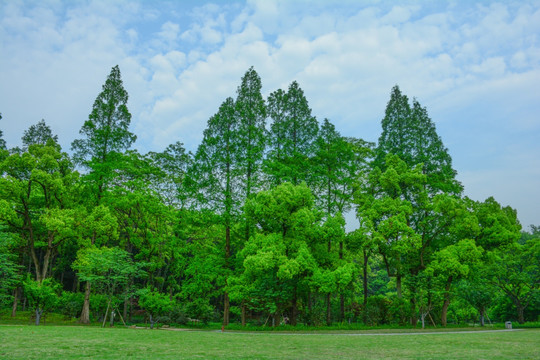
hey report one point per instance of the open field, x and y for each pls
(71, 342)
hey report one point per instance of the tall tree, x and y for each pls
(105, 133)
(409, 133)
(250, 134)
(292, 137)
(105, 138)
(215, 175)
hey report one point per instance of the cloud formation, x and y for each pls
(475, 66)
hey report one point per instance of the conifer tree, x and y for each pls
(411, 134)
(214, 176)
(292, 137)
(106, 133)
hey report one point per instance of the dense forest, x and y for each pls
(250, 228)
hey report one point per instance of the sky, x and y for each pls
(475, 66)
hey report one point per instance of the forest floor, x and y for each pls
(73, 342)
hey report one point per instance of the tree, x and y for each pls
(515, 270)
(293, 133)
(155, 304)
(385, 214)
(107, 268)
(450, 265)
(410, 134)
(278, 262)
(174, 162)
(105, 133)
(215, 176)
(2, 141)
(41, 295)
(9, 271)
(37, 200)
(40, 133)
(250, 134)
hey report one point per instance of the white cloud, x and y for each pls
(475, 67)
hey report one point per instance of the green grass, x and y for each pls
(70, 342)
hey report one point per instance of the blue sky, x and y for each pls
(474, 65)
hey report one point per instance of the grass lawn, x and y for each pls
(70, 342)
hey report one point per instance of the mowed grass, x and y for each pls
(75, 342)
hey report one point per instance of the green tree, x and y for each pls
(450, 265)
(292, 138)
(515, 270)
(37, 198)
(42, 295)
(278, 263)
(110, 269)
(250, 135)
(38, 134)
(385, 215)
(409, 133)
(337, 163)
(215, 176)
(105, 134)
(10, 270)
(155, 304)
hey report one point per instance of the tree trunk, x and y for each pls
(341, 308)
(126, 302)
(275, 319)
(243, 314)
(38, 315)
(15, 301)
(398, 285)
(85, 313)
(226, 304)
(226, 308)
(310, 307)
(444, 311)
(328, 310)
(520, 311)
(111, 321)
(482, 311)
(294, 307)
(365, 267)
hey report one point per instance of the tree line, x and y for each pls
(249, 228)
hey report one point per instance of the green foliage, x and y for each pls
(9, 270)
(109, 268)
(42, 296)
(292, 137)
(40, 134)
(155, 304)
(252, 224)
